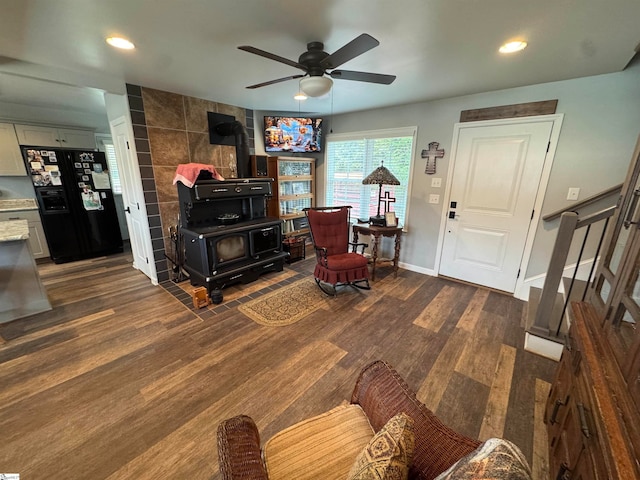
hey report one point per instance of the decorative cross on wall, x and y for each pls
(387, 199)
(431, 155)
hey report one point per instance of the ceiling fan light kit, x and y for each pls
(316, 63)
(316, 86)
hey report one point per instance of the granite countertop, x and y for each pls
(12, 230)
(16, 204)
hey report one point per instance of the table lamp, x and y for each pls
(380, 176)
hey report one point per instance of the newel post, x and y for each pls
(568, 222)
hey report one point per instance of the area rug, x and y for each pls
(285, 305)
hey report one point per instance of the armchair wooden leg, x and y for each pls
(332, 290)
(359, 284)
(323, 286)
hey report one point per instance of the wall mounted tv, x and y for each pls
(292, 134)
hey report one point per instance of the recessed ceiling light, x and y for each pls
(513, 46)
(300, 96)
(120, 42)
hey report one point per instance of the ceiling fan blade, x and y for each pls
(271, 82)
(355, 47)
(363, 76)
(271, 56)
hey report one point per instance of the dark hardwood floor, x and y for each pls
(123, 379)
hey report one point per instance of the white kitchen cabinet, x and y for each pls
(37, 241)
(40, 136)
(72, 138)
(11, 163)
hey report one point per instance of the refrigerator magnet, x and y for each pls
(101, 180)
(55, 177)
(91, 201)
(77, 165)
(85, 165)
(87, 171)
(85, 178)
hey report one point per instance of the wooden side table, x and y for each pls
(378, 232)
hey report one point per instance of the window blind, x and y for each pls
(110, 153)
(351, 157)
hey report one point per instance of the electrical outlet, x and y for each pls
(434, 198)
(436, 182)
(573, 193)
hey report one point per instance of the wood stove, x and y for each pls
(228, 237)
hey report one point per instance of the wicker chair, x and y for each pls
(336, 266)
(381, 393)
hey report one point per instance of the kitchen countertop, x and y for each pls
(16, 204)
(12, 230)
(21, 290)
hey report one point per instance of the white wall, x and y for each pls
(599, 131)
(116, 106)
(68, 117)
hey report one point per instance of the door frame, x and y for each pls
(520, 291)
(135, 192)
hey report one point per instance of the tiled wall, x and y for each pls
(170, 129)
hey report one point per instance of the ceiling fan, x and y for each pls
(315, 62)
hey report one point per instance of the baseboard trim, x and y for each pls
(522, 289)
(543, 347)
(414, 268)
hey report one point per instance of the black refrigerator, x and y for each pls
(76, 202)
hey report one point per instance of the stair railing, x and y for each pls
(544, 325)
(615, 190)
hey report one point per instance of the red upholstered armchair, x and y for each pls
(336, 266)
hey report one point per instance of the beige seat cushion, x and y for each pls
(320, 447)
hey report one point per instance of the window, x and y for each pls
(110, 153)
(351, 157)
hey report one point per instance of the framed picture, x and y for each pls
(390, 219)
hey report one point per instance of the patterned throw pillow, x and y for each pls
(495, 459)
(388, 454)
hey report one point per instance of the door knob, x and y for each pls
(128, 210)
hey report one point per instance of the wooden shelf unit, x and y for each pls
(293, 189)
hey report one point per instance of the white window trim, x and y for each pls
(102, 141)
(385, 133)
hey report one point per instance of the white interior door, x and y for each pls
(133, 199)
(497, 171)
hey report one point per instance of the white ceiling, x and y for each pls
(437, 48)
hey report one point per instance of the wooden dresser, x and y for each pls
(593, 424)
(593, 409)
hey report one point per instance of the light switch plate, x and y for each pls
(573, 193)
(436, 182)
(434, 198)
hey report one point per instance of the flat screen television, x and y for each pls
(292, 134)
